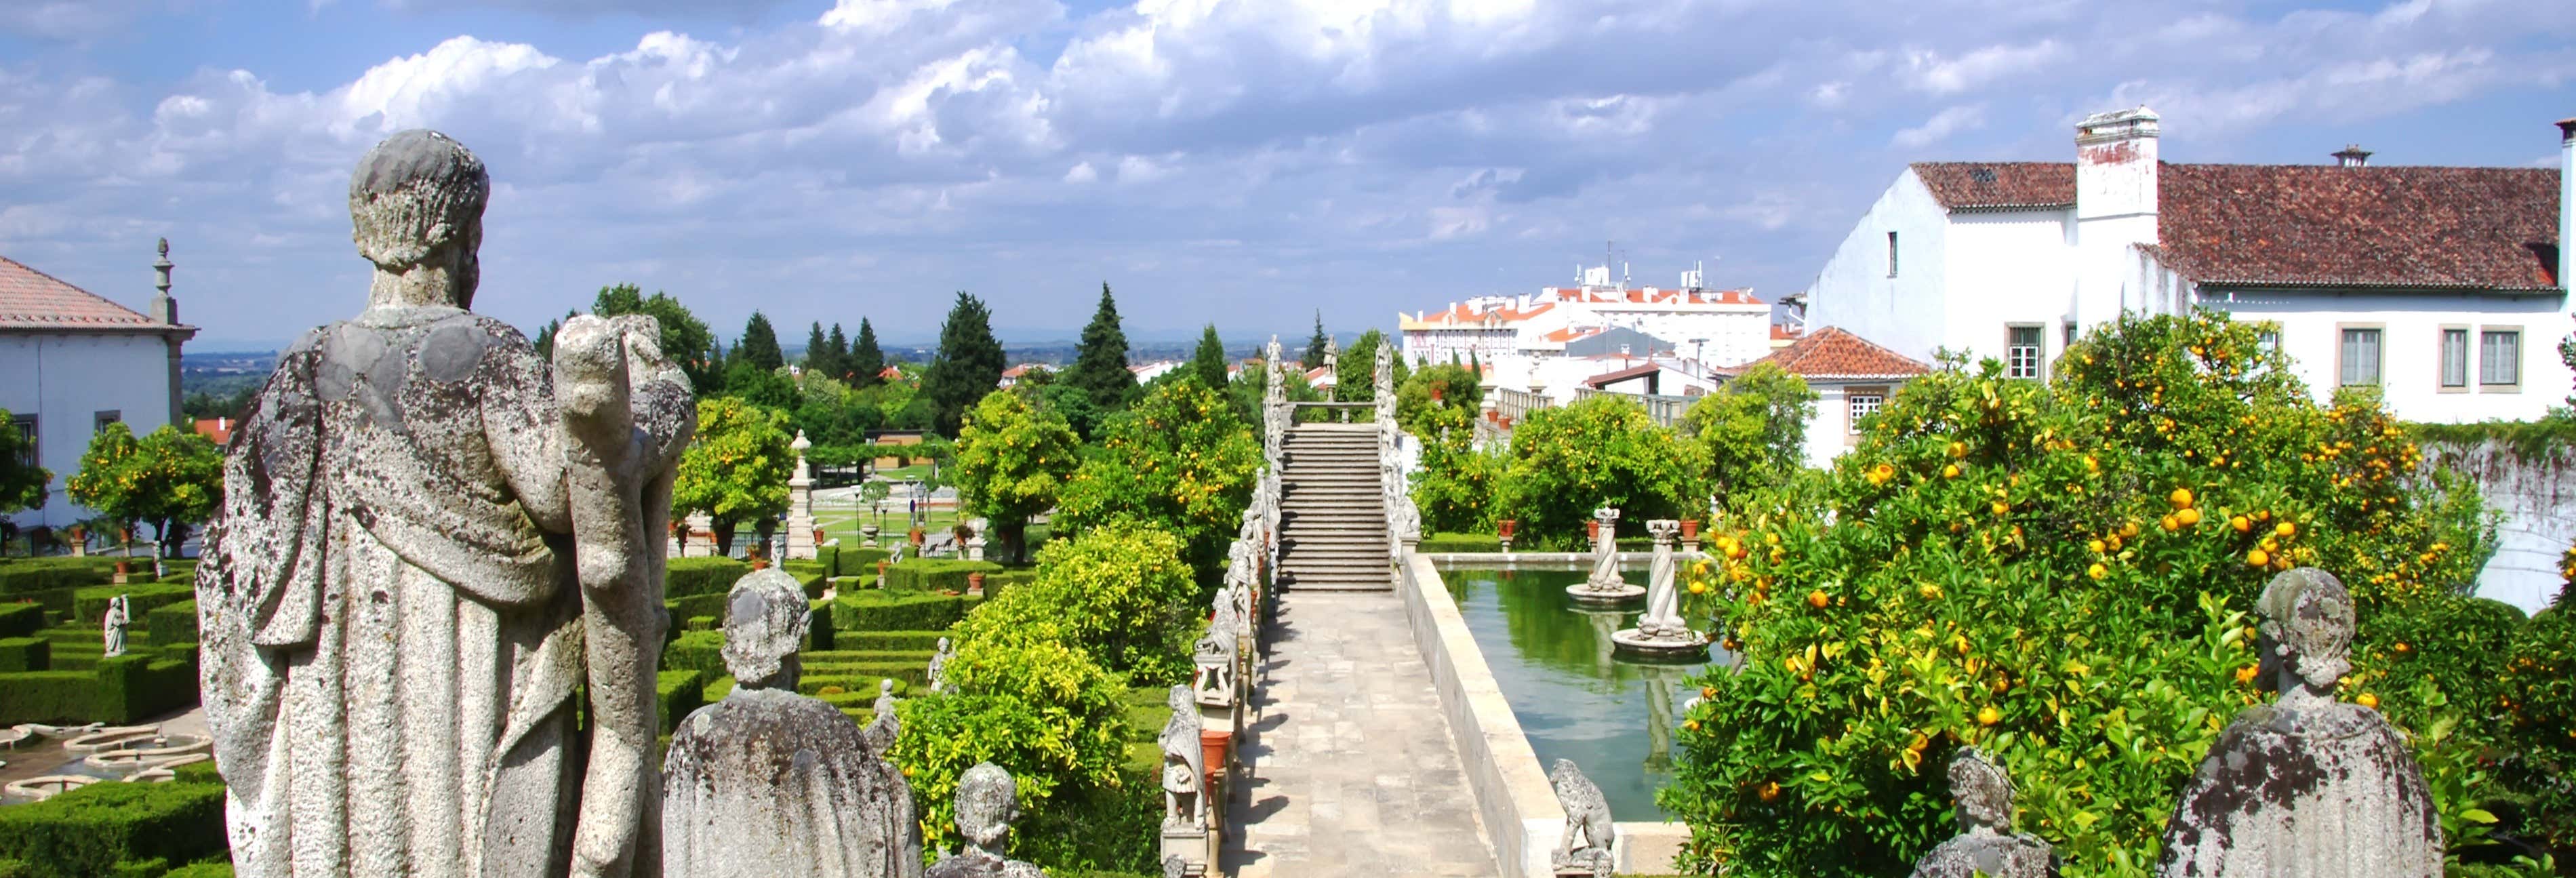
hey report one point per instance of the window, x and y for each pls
(2455, 359)
(2021, 352)
(1891, 254)
(26, 425)
(2068, 331)
(2500, 359)
(1864, 402)
(2358, 358)
(100, 420)
(2269, 339)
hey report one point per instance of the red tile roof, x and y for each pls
(1504, 314)
(1572, 333)
(31, 299)
(1991, 185)
(2319, 225)
(1636, 371)
(220, 430)
(1831, 353)
(2314, 225)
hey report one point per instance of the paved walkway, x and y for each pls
(1353, 772)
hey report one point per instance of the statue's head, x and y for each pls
(417, 200)
(987, 802)
(1983, 791)
(885, 688)
(943, 644)
(765, 620)
(2306, 629)
(1179, 699)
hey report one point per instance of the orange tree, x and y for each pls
(1603, 450)
(2058, 574)
(1179, 461)
(1455, 487)
(1013, 454)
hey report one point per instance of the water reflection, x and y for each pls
(1575, 699)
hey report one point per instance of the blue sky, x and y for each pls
(1235, 163)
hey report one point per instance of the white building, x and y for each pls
(77, 362)
(2443, 285)
(1523, 341)
(1852, 378)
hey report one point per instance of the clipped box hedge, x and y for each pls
(90, 604)
(1457, 543)
(124, 689)
(923, 642)
(21, 620)
(113, 828)
(702, 575)
(680, 693)
(26, 654)
(171, 624)
(20, 576)
(936, 574)
(891, 610)
(858, 560)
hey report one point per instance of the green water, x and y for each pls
(1574, 698)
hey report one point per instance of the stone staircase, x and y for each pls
(1333, 518)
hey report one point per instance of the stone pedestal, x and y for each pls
(800, 504)
(1661, 632)
(1190, 844)
(1606, 586)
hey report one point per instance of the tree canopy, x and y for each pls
(759, 344)
(1207, 364)
(737, 469)
(1099, 367)
(866, 360)
(1180, 460)
(166, 479)
(1013, 455)
(969, 363)
(1753, 431)
(22, 483)
(1316, 344)
(685, 338)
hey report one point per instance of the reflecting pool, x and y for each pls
(1574, 698)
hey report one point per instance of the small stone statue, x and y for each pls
(1184, 763)
(1663, 618)
(1986, 844)
(112, 626)
(939, 668)
(1605, 550)
(1587, 815)
(771, 783)
(2306, 785)
(1213, 682)
(987, 802)
(884, 725)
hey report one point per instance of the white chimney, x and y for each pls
(2115, 208)
(2353, 156)
(2567, 203)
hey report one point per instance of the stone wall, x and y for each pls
(2536, 495)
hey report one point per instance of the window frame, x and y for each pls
(98, 420)
(2442, 355)
(1891, 253)
(2379, 364)
(1851, 404)
(2519, 348)
(2038, 348)
(30, 427)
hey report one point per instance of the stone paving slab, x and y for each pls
(1352, 769)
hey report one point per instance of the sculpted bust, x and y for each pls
(1986, 844)
(987, 802)
(2306, 785)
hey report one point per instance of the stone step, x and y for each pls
(1382, 583)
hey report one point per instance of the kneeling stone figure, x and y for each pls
(1986, 844)
(771, 783)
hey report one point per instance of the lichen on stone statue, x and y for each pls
(767, 782)
(1986, 845)
(1184, 762)
(987, 802)
(424, 556)
(2306, 785)
(1587, 818)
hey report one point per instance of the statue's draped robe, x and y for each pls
(2331, 792)
(1989, 854)
(770, 784)
(391, 630)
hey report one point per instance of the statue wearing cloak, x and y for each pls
(393, 624)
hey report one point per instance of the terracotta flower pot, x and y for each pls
(1690, 528)
(1509, 526)
(121, 568)
(975, 581)
(881, 566)
(1592, 529)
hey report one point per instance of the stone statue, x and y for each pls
(1184, 763)
(2306, 785)
(1663, 616)
(112, 627)
(987, 802)
(771, 783)
(938, 672)
(1986, 844)
(884, 725)
(1212, 682)
(1587, 815)
(1605, 580)
(424, 559)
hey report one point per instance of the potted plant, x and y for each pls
(975, 582)
(1690, 529)
(1510, 525)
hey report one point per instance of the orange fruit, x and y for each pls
(1988, 715)
(2097, 571)
(2002, 507)
(2188, 516)
(1950, 472)
(2180, 498)
(1690, 725)
(2285, 529)
(2095, 546)
(2245, 675)
(1817, 599)
(2169, 524)
(1771, 791)
(2127, 529)
(2402, 648)
(2257, 558)
(2241, 523)
(1708, 692)
(1958, 449)
(2367, 700)
(1929, 591)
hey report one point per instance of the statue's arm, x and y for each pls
(525, 430)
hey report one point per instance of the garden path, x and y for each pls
(1352, 769)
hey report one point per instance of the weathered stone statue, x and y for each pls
(2306, 785)
(1663, 616)
(884, 725)
(112, 627)
(1606, 586)
(938, 672)
(1212, 680)
(423, 558)
(1587, 816)
(771, 783)
(1184, 763)
(987, 802)
(1986, 845)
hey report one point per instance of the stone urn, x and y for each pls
(975, 582)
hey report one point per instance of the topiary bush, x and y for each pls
(936, 574)
(679, 693)
(1120, 593)
(874, 610)
(1600, 451)
(1026, 702)
(90, 604)
(171, 624)
(702, 575)
(61, 697)
(25, 654)
(91, 830)
(21, 620)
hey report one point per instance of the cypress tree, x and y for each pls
(1100, 366)
(817, 354)
(1315, 346)
(839, 361)
(1208, 362)
(866, 361)
(759, 345)
(968, 365)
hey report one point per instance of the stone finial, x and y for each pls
(414, 194)
(801, 445)
(1587, 817)
(1664, 529)
(1985, 845)
(765, 621)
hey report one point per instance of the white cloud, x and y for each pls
(1081, 173)
(1941, 76)
(1940, 127)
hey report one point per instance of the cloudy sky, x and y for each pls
(1240, 163)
